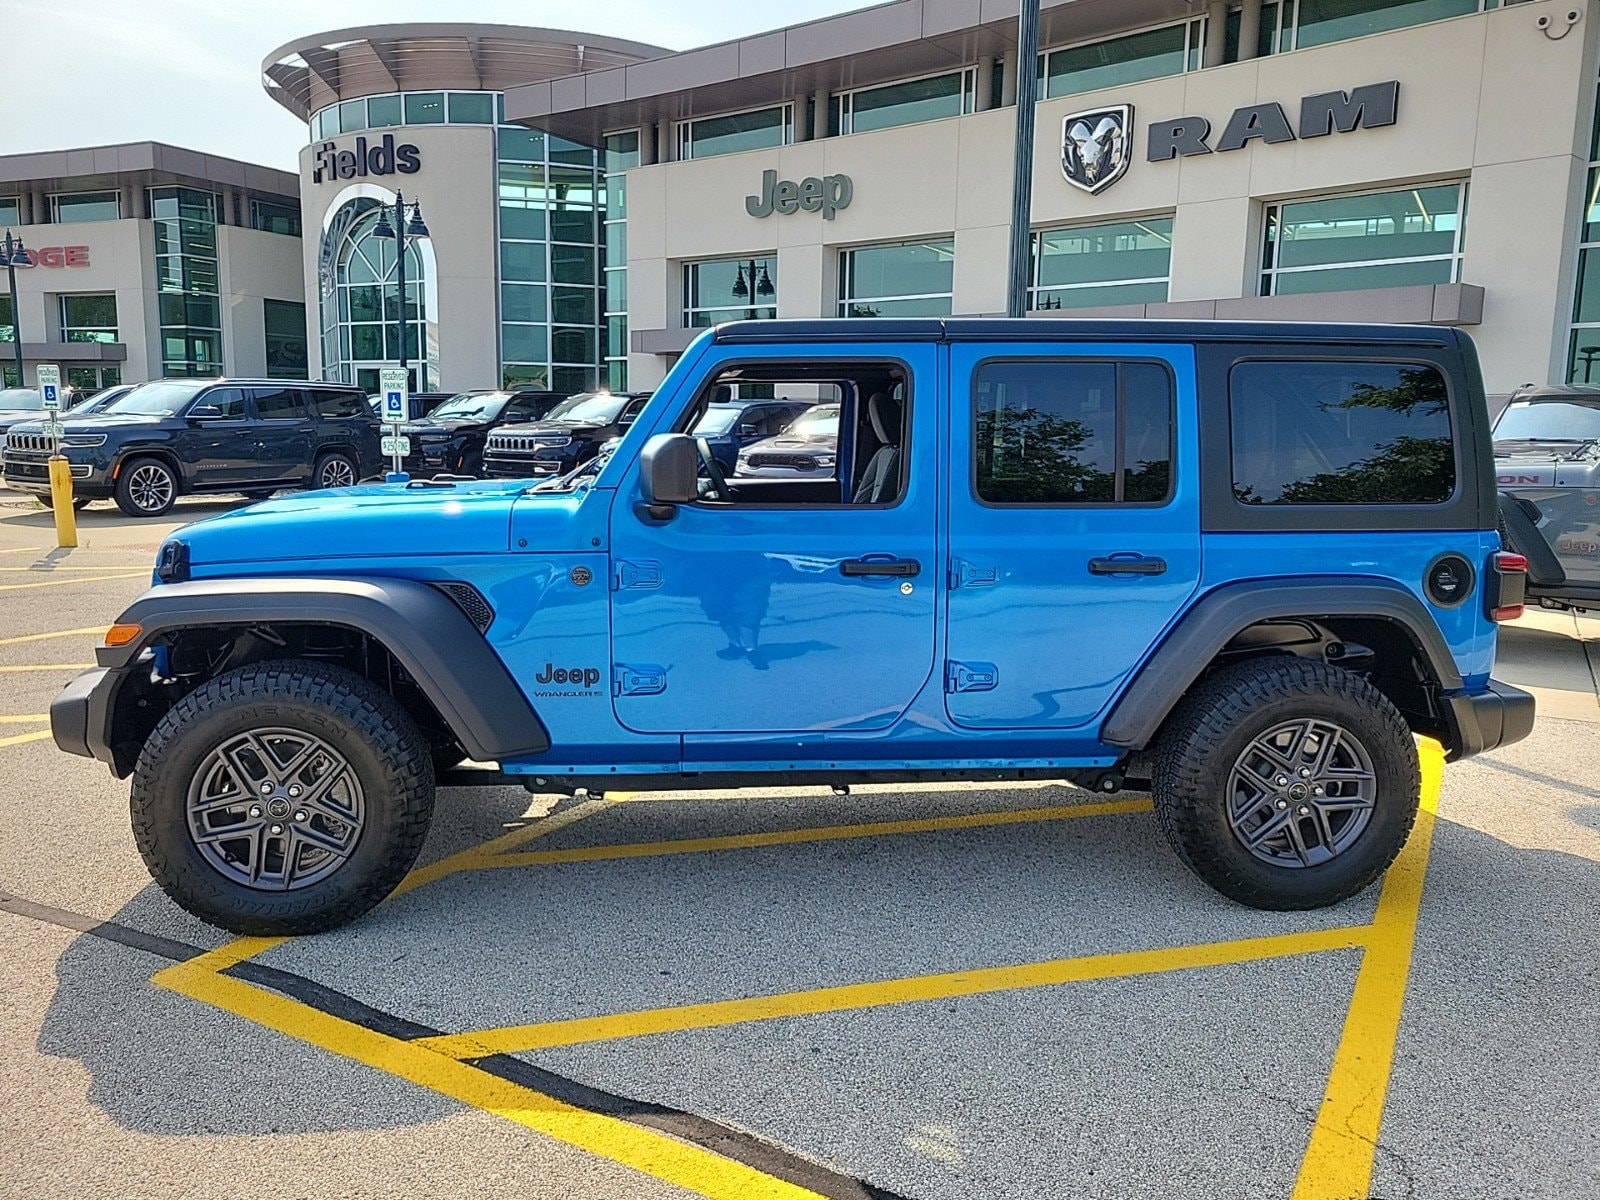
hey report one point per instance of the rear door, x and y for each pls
(1074, 524)
(286, 435)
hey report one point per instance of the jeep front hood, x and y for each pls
(382, 522)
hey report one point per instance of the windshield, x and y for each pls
(820, 421)
(155, 399)
(1549, 421)
(598, 408)
(717, 420)
(21, 400)
(471, 406)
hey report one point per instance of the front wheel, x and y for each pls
(1286, 783)
(146, 487)
(282, 798)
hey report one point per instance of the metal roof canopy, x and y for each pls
(346, 64)
(898, 40)
(142, 164)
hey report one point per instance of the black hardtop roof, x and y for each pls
(1064, 329)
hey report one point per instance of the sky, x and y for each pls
(95, 72)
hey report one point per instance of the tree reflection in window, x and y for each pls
(1341, 433)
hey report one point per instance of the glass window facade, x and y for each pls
(271, 216)
(88, 380)
(405, 108)
(904, 103)
(10, 210)
(370, 313)
(621, 154)
(1129, 262)
(729, 289)
(285, 325)
(552, 203)
(8, 328)
(733, 132)
(1148, 54)
(70, 207)
(1583, 344)
(184, 222)
(1373, 240)
(89, 318)
(908, 279)
(1318, 22)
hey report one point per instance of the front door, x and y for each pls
(1075, 536)
(792, 605)
(220, 449)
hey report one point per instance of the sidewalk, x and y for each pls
(1556, 656)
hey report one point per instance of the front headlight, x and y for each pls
(83, 439)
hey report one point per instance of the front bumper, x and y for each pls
(1480, 721)
(502, 464)
(29, 471)
(81, 716)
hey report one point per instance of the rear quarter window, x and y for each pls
(1340, 432)
(330, 403)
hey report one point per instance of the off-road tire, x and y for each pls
(1212, 726)
(130, 487)
(382, 745)
(333, 461)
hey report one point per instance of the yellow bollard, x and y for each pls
(61, 501)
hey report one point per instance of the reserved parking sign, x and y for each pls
(392, 382)
(50, 386)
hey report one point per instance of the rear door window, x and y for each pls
(1345, 432)
(279, 404)
(331, 404)
(1072, 432)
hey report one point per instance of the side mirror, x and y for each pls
(205, 412)
(749, 431)
(669, 468)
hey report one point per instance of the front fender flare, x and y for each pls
(419, 625)
(1209, 625)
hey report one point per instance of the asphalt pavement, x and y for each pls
(923, 992)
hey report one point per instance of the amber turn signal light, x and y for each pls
(121, 635)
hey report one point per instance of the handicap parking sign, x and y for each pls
(395, 387)
(50, 386)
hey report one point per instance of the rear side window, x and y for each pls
(1343, 432)
(279, 404)
(1072, 432)
(330, 403)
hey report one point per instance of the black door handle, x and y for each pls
(903, 568)
(1127, 564)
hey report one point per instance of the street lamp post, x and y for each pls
(13, 249)
(754, 286)
(404, 231)
(1021, 255)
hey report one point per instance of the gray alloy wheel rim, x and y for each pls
(1301, 793)
(275, 810)
(336, 473)
(150, 487)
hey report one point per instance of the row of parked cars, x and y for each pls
(145, 445)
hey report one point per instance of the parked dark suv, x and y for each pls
(568, 436)
(174, 437)
(728, 426)
(450, 441)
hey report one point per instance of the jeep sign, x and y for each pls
(1365, 107)
(827, 195)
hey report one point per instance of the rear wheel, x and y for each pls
(1286, 783)
(333, 471)
(146, 487)
(282, 798)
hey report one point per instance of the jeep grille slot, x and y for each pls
(470, 601)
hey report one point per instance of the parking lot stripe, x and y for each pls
(50, 568)
(821, 833)
(17, 587)
(97, 630)
(1344, 1140)
(543, 1036)
(666, 1158)
(25, 719)
(17, 739)
(467, 860)
(24, 668)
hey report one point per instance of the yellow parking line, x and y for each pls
(25, 550)
(17, 739)
(824, 833)
(517, 1038)
(656, 1154)
(472, 859)
(25, 719)
(23, 669)
(1338, 1161)
(52, 568)
(97, 630)
(17, 587)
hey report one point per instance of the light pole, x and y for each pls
(404, 231)
(749, 289)
(14, 249)
(1022, 176)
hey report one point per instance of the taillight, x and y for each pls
(1507, 585)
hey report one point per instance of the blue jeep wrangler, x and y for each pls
(1240, 565)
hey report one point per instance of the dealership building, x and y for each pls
(585, 204)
